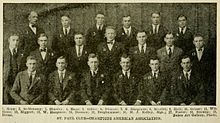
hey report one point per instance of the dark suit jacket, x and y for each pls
(127, 41)
(126, 89)
(61, 42)
(183, 91)
(109, 60)
(140, 60)
(31, 92)
(29, 39)
(156, 40)
(184, 41)
(47, 65)
(78, 64)
(58, 92)
(95, 91)
(94, 37)
(153, 89)
(169, 64)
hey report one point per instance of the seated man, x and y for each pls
(186, 85)
(126, 83)
(61, 84)
(29, 85)
(153, 86)
(95, 83)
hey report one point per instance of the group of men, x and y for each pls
(108, 66)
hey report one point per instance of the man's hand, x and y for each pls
(65, 102)
(122, 103)
(182, 104)
(57, 102)
(88, 102)
(159, 103)
(100, 102)
(138, 102)
(23, 102)
(192, 103)
(153, 103)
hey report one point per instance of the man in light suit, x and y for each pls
(156, 31)
(13, 58)
(187, 88)
(141, 54)
(127, 33)
(95, 84)
(45, 56)
(64, 37)
(154, 85)
(61, 84)
(110, 52)
(96, 34)
(169, 55)
(30, 34)
(184, 34)
(29, 86)
(126, 83)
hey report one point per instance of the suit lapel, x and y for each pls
(38, 53)
(88, 82)
(35, 80)
(66, 79)
(26, 79)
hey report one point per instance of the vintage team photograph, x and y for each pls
(109, 54)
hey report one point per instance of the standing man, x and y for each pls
(156, 31)
(29, 86)
(110, 51)
(184, 34)
(96, 34)
(187, 86)
(141, 54)
(127, 34)
(61, 84)
(126, 83)
(95, 83)
(154, 85)
(13, 58)
(169, 55)
(30, 34)
(64, 37)
(45, 56)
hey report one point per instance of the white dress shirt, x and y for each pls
(184, 29)
(32, 73)
(43, 54)
(97, 26)
(34, 29)
(157, 29)
(189, 74)
(79, 52)
(61, 73)
(199, 53)
(140, 47)
(127, 30)
(11, 50)
(157, 72)
(128, 73)
(168, 51)
(64, 30)
(110, 45)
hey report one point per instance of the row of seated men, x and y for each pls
(84, 89)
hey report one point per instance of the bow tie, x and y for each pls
(43, 50)
(33, 26)
(110, 42)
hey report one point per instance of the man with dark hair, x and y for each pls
(156, 31)
(45, 56)
(127, 33)
(169, 55)
(64, 37)
(141, 54)
(62, 84)
(95, 35)
(30, 34)
(154, 85)
(126, 83)
(187, 87)
(184, 34)
(29, 86)
(95, 83)
(13, 59)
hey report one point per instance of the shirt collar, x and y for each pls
(198, 49)
(11, 49)
(68, 28)
(96, 71)
(155, 25)
(112, 41)
(125, 29)
(155, 72)
(184, 28)
(128, 72)
(33, 73)
(97, 26)
(189, 72)
(30, 25)
(172, 47)
(63, 72)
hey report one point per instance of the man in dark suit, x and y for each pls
(169, 55)
(78, 54)
(202, 61)
(126, 83)
(95, 35)
(29, 85)
(45, 56)
(187, 86)
(184, 34)
(156, 31)
(13, 58)
(110, 52)
(61, 84)
(154, 85)
(127, 33)
(141, 54)
(95, 84)
(30, 34)
(64, 37)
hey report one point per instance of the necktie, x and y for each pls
(199, 54)
(79, 53)
(181, 31)
(127, 32)
(66, 31)
(93, 73)
(155, 29)
(100, 28)
(187, 76)
(42, 50)
(126, 74)
(142, 49)
(61, 77)
(155, 75)
(110, 42)
(14, 52)
(170, 52)
(30, 78)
